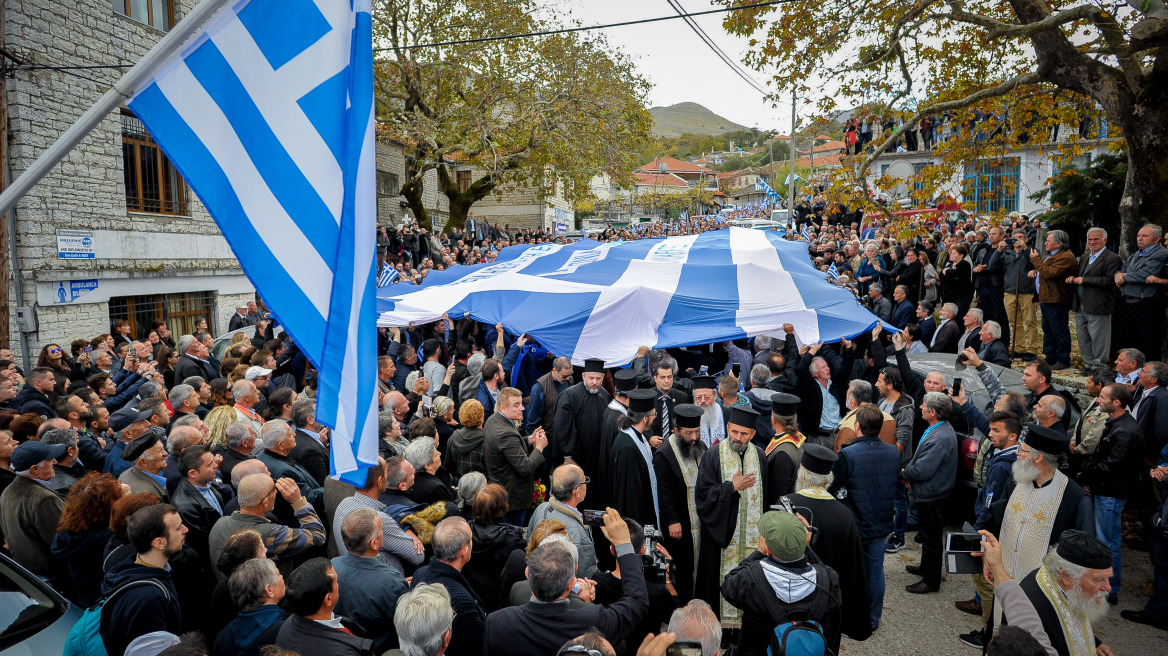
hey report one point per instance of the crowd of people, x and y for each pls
(523, 505)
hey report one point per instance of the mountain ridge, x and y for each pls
(692, 117)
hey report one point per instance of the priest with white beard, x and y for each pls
(713, 424)
(1059, 603)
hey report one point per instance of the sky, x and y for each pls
(676, 61)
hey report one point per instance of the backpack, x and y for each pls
(798, 638)
(84, 638)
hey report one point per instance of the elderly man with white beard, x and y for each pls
(713, 424)
(1044, 503)
(676, 464)
(577, 425)
(1060, 602)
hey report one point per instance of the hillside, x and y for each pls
(689, 117)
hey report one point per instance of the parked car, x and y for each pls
(35, 618)
(223, 342)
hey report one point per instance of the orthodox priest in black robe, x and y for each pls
(785, 449)
(729, 499)
(579, 412)
(676, 463)
(837, 538)
(623, 381)
(634, 491)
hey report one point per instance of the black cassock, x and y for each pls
(632, 491)
(673, 500)
(717, 505)
(577, 432)
(600, 490)
(838, 546)
(782, 469)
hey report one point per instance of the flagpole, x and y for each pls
(791, 178)
(121, 89)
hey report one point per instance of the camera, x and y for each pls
(655, 564)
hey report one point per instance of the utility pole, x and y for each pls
(791, 177)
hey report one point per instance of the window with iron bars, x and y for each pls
(153, 185)
(992, 185)
(181, 312)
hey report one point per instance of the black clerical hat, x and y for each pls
(594, 366)
(642, 400)
(818, 459)
(687, 415)
(1046, 440)
(704, 382)
(784, 404)
(625, 380)
(741, 415)
(1084, 550)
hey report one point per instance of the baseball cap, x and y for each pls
(32, 452)
(785, 535)
(256, 372)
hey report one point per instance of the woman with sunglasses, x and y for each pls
(53, 357)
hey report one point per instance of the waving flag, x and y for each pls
(267, 112)
(805, 233)
(832, 272)
(593, 300)
(388, 275)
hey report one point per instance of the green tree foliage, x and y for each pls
(1088, 196)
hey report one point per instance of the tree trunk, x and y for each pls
(412, 191)
(461, 201)
(1145, 194)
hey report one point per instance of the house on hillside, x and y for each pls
(692, 174)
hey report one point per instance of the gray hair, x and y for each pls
(1159, 371)
(666, 363)
(977, 314)
(759, 375)
(195, 382)
(236, 433)
(422, 618)
(469, 485)
(938, 403)
(186, 342)
(1102, 232)
(241, 389)
(358, 528)
(549, 569)
(877, 287)
(861, 391)
(303, 411)
(1135, 355)
(419, 452)
(178, 395)
(807, 478)
(1064, 240)
(149, 390)
(697, 622)
(245, 469)
(994, 328)
(98, 354)
(1057, 404)
(188, 419)
(450, 536)
(817, 362)
(385, 420)
(249, 582)
(952, 307)
(60, 436)
(565, 480)
(274, 432)
(474, 364)
(1055, 563)
(762, 343)
(902, 289)
(1157, 230)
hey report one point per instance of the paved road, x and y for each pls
(929, 624)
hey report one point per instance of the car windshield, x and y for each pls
(25, 608)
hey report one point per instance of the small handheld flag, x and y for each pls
(388, 275)
(832, 272)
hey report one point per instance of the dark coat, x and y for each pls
(469, 617)
(904, 314)
(1152, 409)
(1052, 275)
(811, 407)
(538, 629)
(1113, 469)
(305, 636)
(947, 337)
(188, 366)
(995, 352)
(1098, 293)
(675, 396)
(198, 515)
(430, 489)
(511, 462)
(311, 455)
(32, 400)
(139, 610)
(867, 479)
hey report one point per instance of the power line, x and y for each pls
(585, 28)
(697, 29)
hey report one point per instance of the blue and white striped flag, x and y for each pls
(832, 272)
(267, 112)
(593, 300)
(388, 275)
(805, 233)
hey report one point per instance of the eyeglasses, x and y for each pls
(578, 649)
(54, 351)
(587, 480)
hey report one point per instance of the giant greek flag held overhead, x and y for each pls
(268, 114)
(594, 300)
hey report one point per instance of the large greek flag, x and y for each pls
(268, 114)
(594, 300)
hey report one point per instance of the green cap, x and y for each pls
(785, 535)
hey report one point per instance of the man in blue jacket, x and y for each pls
(867, 478)
(931, 474)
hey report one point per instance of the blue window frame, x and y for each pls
(992, 185)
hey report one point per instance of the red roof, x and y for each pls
(658, 180)
(671, 164)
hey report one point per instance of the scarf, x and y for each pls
(1075, 627)
(647, 454)
(746, 535)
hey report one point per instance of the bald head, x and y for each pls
(566, 481)
(182, 437)
(52, 424)
(254, 490)
(247, 468)
(396, 403)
